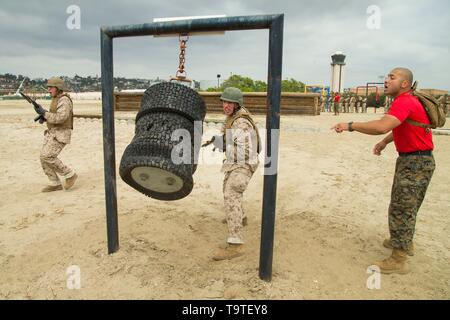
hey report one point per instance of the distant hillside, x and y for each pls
(9, 83)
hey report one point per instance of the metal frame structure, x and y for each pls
(371, 85)
(367, 90)
(275, 25)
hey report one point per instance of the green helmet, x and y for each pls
(232, 94)
(56, 82)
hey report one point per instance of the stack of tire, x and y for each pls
(147, 163)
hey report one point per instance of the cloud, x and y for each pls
(36, 42)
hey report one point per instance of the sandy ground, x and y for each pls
(331, 219)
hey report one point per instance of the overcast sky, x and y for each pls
(35, 40)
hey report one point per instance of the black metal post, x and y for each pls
(275, 25)
(272, 141)
(109, 154)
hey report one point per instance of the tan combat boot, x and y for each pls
(387, 244)
(52, 188)
(229, 252)
(244, 221)
(70, 181)
(396, 263)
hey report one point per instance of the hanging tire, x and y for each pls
(153, 163)
(160, 127)
(157, 177)
(176, 97)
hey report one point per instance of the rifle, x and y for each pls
(35, 104)
(218, 145)
(207, 143)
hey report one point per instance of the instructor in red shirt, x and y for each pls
(337, 100)
(414, 167)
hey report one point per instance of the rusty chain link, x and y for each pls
(181, 73)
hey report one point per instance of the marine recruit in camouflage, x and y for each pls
(58, 134)
(241, 161)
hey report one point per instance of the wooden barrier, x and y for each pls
(255, 102)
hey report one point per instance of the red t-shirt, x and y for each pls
(407, 137)
(337, 98)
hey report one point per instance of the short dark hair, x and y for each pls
(407, 74)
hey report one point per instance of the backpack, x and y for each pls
(432, 107)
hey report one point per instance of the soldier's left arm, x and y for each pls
(62, 113)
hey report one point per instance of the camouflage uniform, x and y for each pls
(442, 101)
(364, 106)
(347, 104)
(241, 161)
(386, 102)
(358, 104)
(389, 103)
(321, 104)
(446, 108)
(344, 103)
(412, 176)
(329, 103)
(352, 104)
(59, 123)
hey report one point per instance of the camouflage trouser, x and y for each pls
(49, 161)
(412, 176)
(234, 185)
(336, 107)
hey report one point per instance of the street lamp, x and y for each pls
(218, 80)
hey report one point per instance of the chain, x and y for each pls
(181, 73)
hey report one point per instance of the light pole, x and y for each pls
(218, 81)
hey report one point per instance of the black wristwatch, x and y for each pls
(350, 126)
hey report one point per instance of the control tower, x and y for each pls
(337, 71)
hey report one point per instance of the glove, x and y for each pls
(39, 110)
(219, 143)
(40, 118)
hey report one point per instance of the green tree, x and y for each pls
(246, 84)
(292, 85)
(260, 86)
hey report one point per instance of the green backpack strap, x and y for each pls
(427, 127)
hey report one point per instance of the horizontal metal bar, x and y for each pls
(192, 25)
